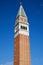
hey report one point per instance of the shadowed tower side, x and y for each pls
(21, 39)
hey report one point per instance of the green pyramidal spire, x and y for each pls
(21, 11)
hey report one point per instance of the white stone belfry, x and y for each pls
(22, 25)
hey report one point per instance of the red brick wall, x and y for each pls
(22, 50)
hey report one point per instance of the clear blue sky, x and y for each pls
(8, 12)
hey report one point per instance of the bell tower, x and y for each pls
(21, 39)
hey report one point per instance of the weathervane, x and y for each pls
(20, 2)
